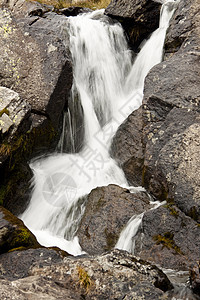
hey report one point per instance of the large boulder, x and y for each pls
(35, 64)
(168, 238)
(107, 211)
(14, 234)
(166, 137)
(114, 275)
(138, 18)
(171, 112)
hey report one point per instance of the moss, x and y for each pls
(172, 208)
(167, 241)
(84, 279)
(193, 213)
(4, 111)
(19, 237)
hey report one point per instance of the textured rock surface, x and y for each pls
(195, 278)
(129, 138)
(108, 209)
(166, 138)
(35, 63)
(115, 275)
(168, 238)
(171, 116)
(138, 18)
(13, 233)
(15, 265)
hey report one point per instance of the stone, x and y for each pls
(195, 278)
(14, 234)
(139, 18)
(35, 64)
(13, 111)
(107, 211)
(168, 238)
(16, 264)
(114, 275)
(129, 138)
(73, 11)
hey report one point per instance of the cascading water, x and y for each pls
(109, 88)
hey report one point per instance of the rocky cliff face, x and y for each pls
(36, 67)
(166, 138)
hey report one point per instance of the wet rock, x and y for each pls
(129, 138)
(108, 209)
(168, 238)
(138, 18)
(114, 275)
(14, 234)
(73, 11)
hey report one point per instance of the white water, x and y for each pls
(109, 89)
(126, 240)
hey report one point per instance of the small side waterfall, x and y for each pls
(109, 88)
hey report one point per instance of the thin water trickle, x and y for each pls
(109, 88)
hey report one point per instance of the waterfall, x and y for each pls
(108, 89)
(127, 237)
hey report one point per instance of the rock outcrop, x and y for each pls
(138, 18)
(36, 67)
(114, 275)
(107, 211)
(168, 238)
(166, 137)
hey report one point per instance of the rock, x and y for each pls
(73, 11)
(17, 264)
(195, 278)
(35, 64)
(165, 140)
(107, 211)
(14, 113)
(168, 238)
(172, 161)
(138, 18)
(184, 27)
(14, 234)
(114, 275)
(129, 138)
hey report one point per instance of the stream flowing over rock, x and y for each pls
(139, 18)
(107, 210)
(157, 146)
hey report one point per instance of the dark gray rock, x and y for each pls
(138, 18)
(168, 238)
(129, 138)
(195, 278)
(108, 209)
(14, 234)
(115, 275)
(35, 63)
(73, 11)
(17, 264)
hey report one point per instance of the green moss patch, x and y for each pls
(167, 240)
